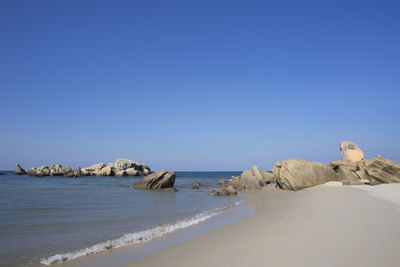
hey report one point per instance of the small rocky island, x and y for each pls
(121, 167)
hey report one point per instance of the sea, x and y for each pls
(47, 220)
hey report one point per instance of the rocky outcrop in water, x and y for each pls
(157, 180)
(121, 167)
(196, 185)
(19, 170)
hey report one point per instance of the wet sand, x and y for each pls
(320, 226)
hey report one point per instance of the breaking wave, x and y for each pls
(135, 238)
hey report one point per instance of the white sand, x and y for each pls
(390, 192)
(321, 226)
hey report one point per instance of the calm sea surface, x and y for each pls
(51, 216)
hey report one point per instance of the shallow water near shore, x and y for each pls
(53, 218)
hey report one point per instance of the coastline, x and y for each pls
(319, 226)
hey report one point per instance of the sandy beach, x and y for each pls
(319, 226)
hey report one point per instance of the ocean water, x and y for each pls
(51, 219)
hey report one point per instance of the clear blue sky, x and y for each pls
(197, 85)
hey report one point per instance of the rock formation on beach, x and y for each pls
(121, 167)
(296, 174)
(157, 180)
(253, 179)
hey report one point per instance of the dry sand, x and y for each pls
(320, 226)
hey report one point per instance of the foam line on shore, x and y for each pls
(135, 238)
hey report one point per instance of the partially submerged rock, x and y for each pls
(226, 190)
(296, 174)
(350, 151)
(19, 170)
(196, 185)
(157, 180)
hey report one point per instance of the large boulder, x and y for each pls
(380, 170)
(350, 151)
(157, 180)
(19, 170)
(296, 174)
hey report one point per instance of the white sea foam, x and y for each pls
(138, 237)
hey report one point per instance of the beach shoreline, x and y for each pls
(319, 226)
(243, 209)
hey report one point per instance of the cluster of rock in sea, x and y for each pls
(297, 174)
(160, 180)
(121, 167)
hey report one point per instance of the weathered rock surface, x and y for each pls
(348, 170)
(296, 174)
(268, 177)
(350, 151)
(157, 180)
(248, 181)
(381, 171)
(19, 170)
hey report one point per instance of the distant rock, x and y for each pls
(221, 181)
(350, 151)
(2, 173)
(95, 167)
(157, 180)
(105, 171)
(196, 185)
(296, 174)
(131, 172)
(121, 173)
(19, 170)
